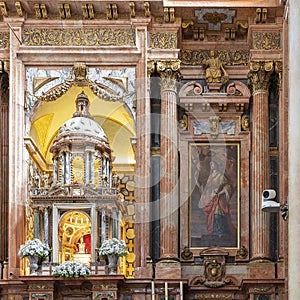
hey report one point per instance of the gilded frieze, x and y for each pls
(163, 40)
(228, 57)
(4, 40)
(78, 37)
(266, 40)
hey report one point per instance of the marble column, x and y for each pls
(294, 150)
(4, 164)
(17, 172)
(259, 79)
(169, 202)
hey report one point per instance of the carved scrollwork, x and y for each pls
(237, 88)
(192, 88)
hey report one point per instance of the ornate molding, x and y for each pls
(266, 40)
(163, 40)
(228, 57)
(4, 40)
(78, 37)
(259, 75)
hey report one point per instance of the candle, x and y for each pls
(152, 290)
(166, 291)
(181, 290)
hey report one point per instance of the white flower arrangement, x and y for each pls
(34, 248)
(71, 269)
(113, 246)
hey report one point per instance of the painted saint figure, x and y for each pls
(214, 202)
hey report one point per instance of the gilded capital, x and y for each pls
(259, 75)
(169, 72)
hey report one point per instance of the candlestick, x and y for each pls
(166, 291)
(181, 290)
(152, 290)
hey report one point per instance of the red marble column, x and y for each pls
(169, 202)
(3, 170)
(259, 76)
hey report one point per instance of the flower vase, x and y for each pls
(112, 264)
(34, 264)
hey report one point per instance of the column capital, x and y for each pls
(259, 75)
(169, 72)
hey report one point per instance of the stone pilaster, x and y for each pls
(169, 203)
(142, 178)
(294, 149)
(17, 172)
(259, 79)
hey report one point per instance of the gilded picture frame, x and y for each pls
(214, 189)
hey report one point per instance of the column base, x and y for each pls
(143, 272)
(168, 268)
(261, 269)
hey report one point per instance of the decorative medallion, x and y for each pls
(214, 17)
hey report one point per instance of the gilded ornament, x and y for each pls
(259, 74)
(266, 40)
(169, 72)
(228, 57)
(19, 8)
(4, 40)
(132, 9)
(186, 254)
(3, 9)
(163, 40)
(242, 252)
(245, 123)
(214, 70)
(147, 9)
(78, 37)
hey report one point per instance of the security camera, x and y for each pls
(268, 204)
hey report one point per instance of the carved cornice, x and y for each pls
(163, 40)
(266, 40)
(169, 72)
(228, 57)
(259, 75)
(78, 37)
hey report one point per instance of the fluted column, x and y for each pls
(259, 78)
(4, 164)
(169, 73)
(294, 150)
(17, 172)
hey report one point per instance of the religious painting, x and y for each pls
(214, 194)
